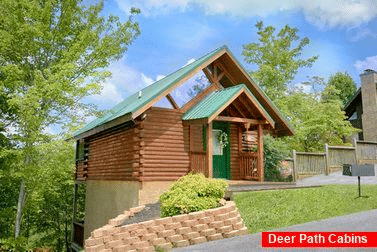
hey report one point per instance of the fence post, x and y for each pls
(294, 166)
(355, 145)
(327, 168)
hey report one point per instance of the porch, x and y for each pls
(226, 135)
(243, 159)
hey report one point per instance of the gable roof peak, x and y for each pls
(136, 104)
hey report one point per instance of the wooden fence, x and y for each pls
(308, 163)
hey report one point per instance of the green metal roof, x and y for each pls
(133, 103)
(213, 102)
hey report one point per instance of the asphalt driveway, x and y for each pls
(336, 178)
(363, 221)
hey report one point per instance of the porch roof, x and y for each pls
(216, 102)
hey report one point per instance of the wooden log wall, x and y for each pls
(165, 145)
(79, 174)
(198, 161)
(235, 147)
(113, 155)
(249, 140)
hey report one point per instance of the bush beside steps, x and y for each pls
(192, 193)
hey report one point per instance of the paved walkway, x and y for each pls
(363, 221)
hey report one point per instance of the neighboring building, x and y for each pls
(133, 153)
(361, 110)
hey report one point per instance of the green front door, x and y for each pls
(221, 156)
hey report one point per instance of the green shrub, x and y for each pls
(192, 193)
(274, 152)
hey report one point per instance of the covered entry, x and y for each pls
(215, 149)
(220, 150)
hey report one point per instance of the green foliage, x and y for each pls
(344, 84)
(53, 53)
(11, 244)
(274, 152)
(316, 121)
(192, 193)
(48, 210)
(276, 58)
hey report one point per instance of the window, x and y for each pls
(190, 88)
(80, 150)
(163, 103)
(216, 147)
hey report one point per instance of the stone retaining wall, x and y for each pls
(176, 231)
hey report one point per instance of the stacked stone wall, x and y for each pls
(177, 231)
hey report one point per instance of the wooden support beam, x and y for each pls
(243, 101)
(227, 74)
(260, 154)
(202, 121)
(240, 131)
(209, 157)
(232, 112)
(220, 76)
(240, 120)
(199, 97)
(215, 72)
(172, 102)
(212, 78)
(239, 111)
(208, 75)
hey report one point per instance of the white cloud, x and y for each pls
(147, 80)
(189, 62)
(303, 87)
(322, 13)
(360, 34)
(125, 81)
(109, 95)
(368, 63)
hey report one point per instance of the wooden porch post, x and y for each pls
(209, 150)
(260, 153)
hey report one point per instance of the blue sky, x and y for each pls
(342, 32)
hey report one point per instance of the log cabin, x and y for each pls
(133, 153)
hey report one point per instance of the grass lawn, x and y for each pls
(267, 210)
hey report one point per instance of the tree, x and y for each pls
(52, 54)
(48, 210)
(316, 121)
(276, 58)
(345, 85)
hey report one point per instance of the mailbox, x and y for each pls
(358, 170)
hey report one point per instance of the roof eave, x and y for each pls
(113, 123)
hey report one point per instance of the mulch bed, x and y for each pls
(150, 212)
